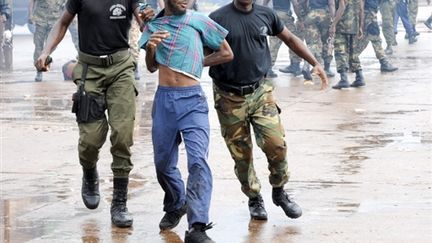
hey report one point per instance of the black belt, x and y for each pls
(238, 90)
(104, 60)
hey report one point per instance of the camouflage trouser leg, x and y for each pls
(344, 52)
(39, 38)
(387, 9)
(236, 115)
(413, 11)
(117, 83)
(369, 36)
(317, 24)
(134, 35)
(275, 42)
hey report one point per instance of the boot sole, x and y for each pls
(259, 218)
(122, 225)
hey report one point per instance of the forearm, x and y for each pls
(55, 36)
(224, 54)
(296, 45)
(150, 59)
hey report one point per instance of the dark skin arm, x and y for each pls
(54, 38)
(340, 11)
(155, 39)
(224, 54)
(295, 44)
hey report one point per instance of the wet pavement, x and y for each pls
(360, 160)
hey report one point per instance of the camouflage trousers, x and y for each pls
(413, 11)
(344, 50)
(387, 9)
(40, 37)
(370, 34)
(134, 35)
(275, 42)
(317, 24)
(236, 116)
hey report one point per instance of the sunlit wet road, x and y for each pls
(360, 160)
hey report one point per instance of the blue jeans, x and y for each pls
(402, 12)
(182, 112)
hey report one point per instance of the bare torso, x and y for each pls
(170, 78)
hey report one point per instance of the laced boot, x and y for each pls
(293, 68)
(428, 23)
(386, 66)
(90, 188)
(412, 39)
(256, 208)
(281, 198)
(307, 74)
(38, 77)
(271, 74)
(197, 234)
(327, 70)
(120, 215)
(172, 219)
(388, 50)
(359, 80)
(343, 83)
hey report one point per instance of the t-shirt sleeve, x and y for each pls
(73, 6)
(145, 36)
(277, 25)
(212, 33)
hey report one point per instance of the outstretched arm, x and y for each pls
(295, 44)
(54, 38)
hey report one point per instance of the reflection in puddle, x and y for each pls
(169, 236)
(255, 231)
(120, 235)
(90, 232)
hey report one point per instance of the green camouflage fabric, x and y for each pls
(47, 11)
(317, 24)
(275, 43)
(236, 116)
(387, 9)
(369, 36)
(45, 14)
(117, 83)
(413, 11)
(345, 38)
(349, 23)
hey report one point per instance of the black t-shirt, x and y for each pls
(103, 25)
(248, 40)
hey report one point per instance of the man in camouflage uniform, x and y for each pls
(348, 26)
(283, 11)
(387, 9)
(317, 23)
(44, 14)
(412, 14)
(371, 33)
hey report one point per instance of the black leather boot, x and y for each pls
(343, 83)
(256, 208)
(90, 188)
(359, 80)
(120, 215)
(386, 66)
(281, 198)
(327, 70)
(428, 23)
(293, 68)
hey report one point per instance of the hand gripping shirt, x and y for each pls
(183, 50)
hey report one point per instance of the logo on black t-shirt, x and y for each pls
(117, 11)
(263, 31)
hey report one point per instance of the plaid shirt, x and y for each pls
(189, 33)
